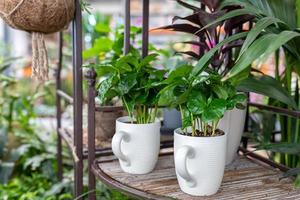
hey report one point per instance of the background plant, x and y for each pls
(207, 35)
(134, 80)
(202, 99)
(275, 32)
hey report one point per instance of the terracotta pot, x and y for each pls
(106, 124)
(136, 145)
(199, 163)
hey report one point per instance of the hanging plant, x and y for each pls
(39, 18)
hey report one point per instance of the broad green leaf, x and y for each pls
(256, 31)
(141, 98)
(209, 116)
(196, 103)
(127, 63)
(203, 62)
(166, 97)
(101, 45)
(186, 121)
(236, 101)
(125, 84)
(148, 59)
(218, 106)
(179, 72)
(103, 70)
(220, 91)
(104, 87)
(102, 28)
(268, 86)
(258, 48)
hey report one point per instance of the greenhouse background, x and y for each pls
(31, 117)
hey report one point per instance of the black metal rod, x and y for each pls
(145, 28)
(248, 153)
(127, 27)
(91, 79)
(77, 91)
(58, 108)
(277, 110)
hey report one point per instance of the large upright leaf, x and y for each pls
(268, 86)
(256, 50)
(231, 14)
(203, 62)
(265, 45)
(256, 31)
(285, 11)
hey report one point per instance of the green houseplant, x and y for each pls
(199, 146)
(205, 36)
(137, 83)
(106, 48)
(275, 32)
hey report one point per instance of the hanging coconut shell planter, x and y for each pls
(39, 18)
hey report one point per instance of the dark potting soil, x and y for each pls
(199, 133)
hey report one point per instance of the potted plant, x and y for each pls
(107, 47)
(136, 82)
(199, 146)
(208, 30)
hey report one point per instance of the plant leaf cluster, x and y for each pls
(211, 26)
(134, 80)
(202, 99)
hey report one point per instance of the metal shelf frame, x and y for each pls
(75, 143)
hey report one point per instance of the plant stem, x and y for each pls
(155, 113)
(128, 110)
(198, 123)
(205, 129)
(182, 117)
(193, 125)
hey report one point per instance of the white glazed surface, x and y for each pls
(206, 166)
(233, 124)
(140, 147)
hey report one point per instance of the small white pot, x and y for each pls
(199, 163)
(233, 124)
(136, 145)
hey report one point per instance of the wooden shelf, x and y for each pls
(67, 136)
(246, 178)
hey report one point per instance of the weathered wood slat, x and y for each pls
(244, 179)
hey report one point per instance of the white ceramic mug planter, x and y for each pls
(199, 163)
(136, 145)
(233, 124)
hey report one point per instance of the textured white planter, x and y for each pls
(233, 124)
(136, 145)
(199, 163)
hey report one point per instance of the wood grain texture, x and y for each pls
(244, 179)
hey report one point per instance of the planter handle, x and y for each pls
(181, 156)
(116, 146)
